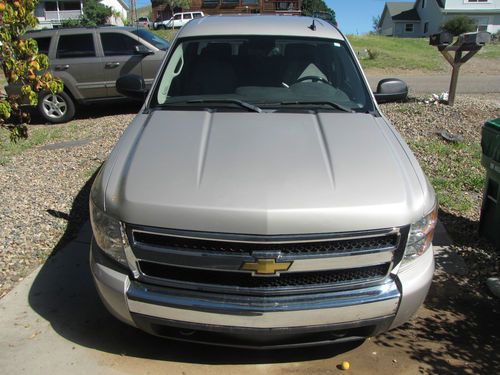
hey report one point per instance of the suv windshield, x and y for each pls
(152, 38)
(265, 71)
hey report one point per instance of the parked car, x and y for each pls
(158, 23)
(143, 22)
(90, 60)
(180, 19)
(260, 198)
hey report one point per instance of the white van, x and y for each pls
(180, 19)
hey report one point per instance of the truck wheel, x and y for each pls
(56, 108)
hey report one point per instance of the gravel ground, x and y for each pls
(38, 187)
(421, 124)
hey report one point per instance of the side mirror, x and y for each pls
(132, 86)
(141, 49)
(391, 90)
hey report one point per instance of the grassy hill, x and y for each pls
(408, 53)
(145, 11)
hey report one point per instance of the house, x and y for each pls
(425, 17)
(53, 12)
(120, 11)
(162, 11)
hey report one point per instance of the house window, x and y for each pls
(209, 3)
(50, 6)
(250, 2)
(426, 27)
(477, 1)
(408, 27)
(69, 5)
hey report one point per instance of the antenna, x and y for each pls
(313, 24)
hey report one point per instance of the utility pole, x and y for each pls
(133, 8)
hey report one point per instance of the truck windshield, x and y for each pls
(264, 71)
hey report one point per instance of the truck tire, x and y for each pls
(56, 108)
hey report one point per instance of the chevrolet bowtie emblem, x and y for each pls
(266, 267)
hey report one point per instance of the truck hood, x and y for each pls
(264, 173)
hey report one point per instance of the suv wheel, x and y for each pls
(56, 108)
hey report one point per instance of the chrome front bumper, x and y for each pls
(382, 306)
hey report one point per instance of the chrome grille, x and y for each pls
(307, 247)
(245, 280)
(212, 262)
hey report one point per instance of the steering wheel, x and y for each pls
(314, 79)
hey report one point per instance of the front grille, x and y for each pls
(246, 280)
(210, 262)
(246, 248)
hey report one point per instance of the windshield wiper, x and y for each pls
(331, 104)
(241, 103)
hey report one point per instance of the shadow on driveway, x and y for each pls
(95, 110)
(63, 293)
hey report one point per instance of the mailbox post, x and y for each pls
(469, 43)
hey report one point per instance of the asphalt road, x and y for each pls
(436, 84)
(53, 322)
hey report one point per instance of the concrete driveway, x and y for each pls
(53, 322)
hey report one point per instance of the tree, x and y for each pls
(375, 24)
(22, 65)
(94, 14)
(459, 25)
(320, 9)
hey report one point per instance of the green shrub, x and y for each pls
(372, 54)
(94, 14)
(460, 25)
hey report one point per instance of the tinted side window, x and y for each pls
(187, 16)
(43, 44)
(196, 15)
(115, 44)
(80, 45)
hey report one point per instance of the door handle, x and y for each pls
(61, 67)
(112, 64)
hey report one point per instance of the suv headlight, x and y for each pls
(420, 237)
(107, 233)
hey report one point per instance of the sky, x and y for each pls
(353, 16)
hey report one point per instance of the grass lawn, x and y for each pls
(407, 53)
(166, 34)
(38, 135)
(454, 171)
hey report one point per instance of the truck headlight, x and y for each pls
(420, 237)
(107, 233)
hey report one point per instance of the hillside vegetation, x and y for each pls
(407, 53)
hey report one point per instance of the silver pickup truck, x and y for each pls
(260, 198)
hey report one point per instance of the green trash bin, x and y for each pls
(489, 226)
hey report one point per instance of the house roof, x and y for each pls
(403, 11)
